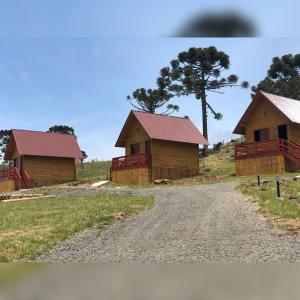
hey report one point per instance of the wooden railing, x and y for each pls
(289, 149)
(131, 161)
(26, 179)
(13, 174)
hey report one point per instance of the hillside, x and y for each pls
(221, 162)
(95, 169)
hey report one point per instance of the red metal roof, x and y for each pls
(168, 128)
(39, 143)
(289, 107)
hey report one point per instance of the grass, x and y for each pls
(95, 169)
(221, 162)
(29, 228)
(284, 211)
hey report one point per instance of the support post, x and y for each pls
(278, 186)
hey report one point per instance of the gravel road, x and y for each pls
(204, 223)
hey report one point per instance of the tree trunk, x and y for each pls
(204, 122)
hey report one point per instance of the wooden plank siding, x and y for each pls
(260, 165)
(7, 185)
(294, 133)
(265, 116)
(132, 176)
(49, 170)
(173, 160)
(136, 134)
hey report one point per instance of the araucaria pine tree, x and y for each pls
(198, 72)
(152, 99)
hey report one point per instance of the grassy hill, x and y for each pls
(95, 169)
(219, 162)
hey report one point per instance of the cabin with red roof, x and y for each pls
(271, 126)
(39, 159)
(156, 147)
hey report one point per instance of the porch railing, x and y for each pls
(131, 161)
(13, 174)
(289, 149)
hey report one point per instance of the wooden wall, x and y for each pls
(172, 160)
(265, 115)
(261, 165)
(49, 170)
(294, 133)
(7, 185)
(135, 134)
(132, 176)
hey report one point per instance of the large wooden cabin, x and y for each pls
(39, 159)
(156, 147)
(271, 126)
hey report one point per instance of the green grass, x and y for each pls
(285, 210)
(28, 228)
(221, 162)
(95, 169)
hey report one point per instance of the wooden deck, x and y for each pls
(131, 162)
(276, 156)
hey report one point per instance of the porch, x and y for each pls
(11, 179)
(267, 157)
(131, 169)
(140, 160)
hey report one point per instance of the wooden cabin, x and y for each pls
(156, 147)
(39, 159)
(271, 126)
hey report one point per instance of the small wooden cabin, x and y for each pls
(156, 147)
(271, 126)
(39, 159)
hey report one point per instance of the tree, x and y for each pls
(4, 139)
(283, 77)
(84, 155)
(63, 129)
(152, 99)
(198, 71)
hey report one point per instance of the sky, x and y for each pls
(135, 18)
(74, 62)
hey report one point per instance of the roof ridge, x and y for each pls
(145, 112)
(39, 131)
(291, 99)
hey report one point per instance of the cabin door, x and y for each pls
(282, 132)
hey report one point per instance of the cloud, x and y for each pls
(24, 75)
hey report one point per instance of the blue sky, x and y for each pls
(142, 18)
(83, 82)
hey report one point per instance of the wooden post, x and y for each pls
(278, 186)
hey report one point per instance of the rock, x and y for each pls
(266, 181)
(162, 181)
(296, 178)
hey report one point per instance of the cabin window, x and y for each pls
(148, 147)
(134, 149)
(261, 135)
(282, 132)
